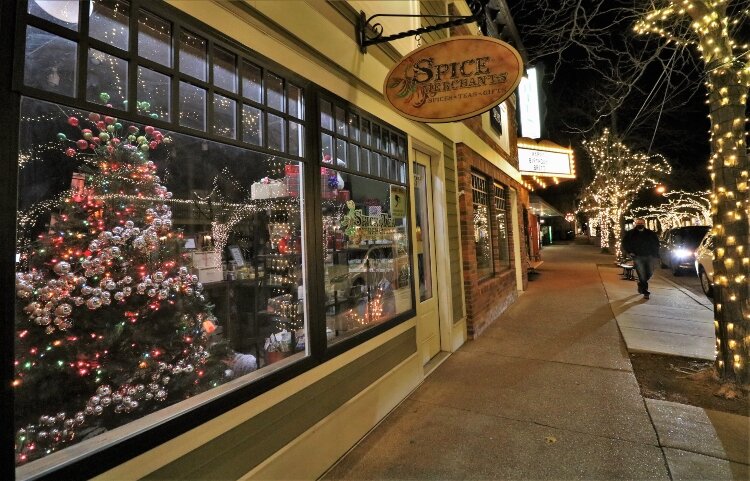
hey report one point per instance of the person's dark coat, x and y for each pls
(641, 243)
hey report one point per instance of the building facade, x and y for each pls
(232, 259)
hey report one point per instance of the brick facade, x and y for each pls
(487, 298)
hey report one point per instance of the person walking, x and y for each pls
(642, 245)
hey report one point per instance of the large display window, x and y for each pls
(171, 193)
(151, 266)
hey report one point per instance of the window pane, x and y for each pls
(367, 275)
(107, 80)
(501, 224)
(192, 106)
(252, 82)
(375, 138)
(374, 163)
(275, 92)
(295, 101)
(275, 132)
(326, 115)
(225, 70)
(296, 139)
(340, 121)
(384, 166)
(401, 152)
(155, 39)
(197, 301)
(392, 170)
(252, 125)
(108, 22)
(365, 132)
(341, 153)
(422, 202)
(353, 121)
(326, 149)
(61, 12)
(385, 140)
(225, 116)
(192, 55)
(364, 162)
(153, 94)
(482, 239)
(354, 157)
(50, 62)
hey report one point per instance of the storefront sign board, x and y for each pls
(545, 163)
(453, 79)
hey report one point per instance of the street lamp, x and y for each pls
(661, 189)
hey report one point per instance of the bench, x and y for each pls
(628, 271)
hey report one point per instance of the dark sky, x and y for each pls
(677, 128)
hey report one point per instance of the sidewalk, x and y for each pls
(548, 392)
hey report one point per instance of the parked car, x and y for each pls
(677, 247)
(704, 264)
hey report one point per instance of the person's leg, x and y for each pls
(642, 267)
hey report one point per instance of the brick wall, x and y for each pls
(487, 298)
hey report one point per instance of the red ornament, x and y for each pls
(70, 152)
(132, 129)
(283, 245)
(94, 117)
(73, 121)
(109, 120)
(101, 125)
(82, 144)
(153, 144)
(149, 129)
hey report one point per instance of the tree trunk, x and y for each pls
(728, 99)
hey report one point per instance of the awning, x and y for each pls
(540, 208)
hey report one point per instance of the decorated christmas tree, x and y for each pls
(110, 323)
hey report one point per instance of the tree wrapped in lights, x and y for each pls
(679, 207)
(110, 324)
(714, 28)
(619, 174)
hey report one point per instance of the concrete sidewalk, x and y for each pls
(547, 392)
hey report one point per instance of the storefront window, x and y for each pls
(367, 267)
(501, 222)
(482, 239)
(152, 267)
(367, 264)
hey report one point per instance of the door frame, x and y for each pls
(440, 237)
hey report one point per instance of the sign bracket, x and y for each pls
(364, 25)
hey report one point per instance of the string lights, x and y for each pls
(714, 28)
(619, 174)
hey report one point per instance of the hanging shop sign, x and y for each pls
(453, 79)
(398, 201)
(542, 161)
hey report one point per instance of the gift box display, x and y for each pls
(268, 188)
(292, 179)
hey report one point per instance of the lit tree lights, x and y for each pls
(110, 324)
(619, 174)
(680, 207)
(714, 28)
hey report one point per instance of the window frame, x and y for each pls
(503, 263)
(13, 36)
(488, 181)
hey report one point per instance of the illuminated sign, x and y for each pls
(453, 79)
(528, 104)
(545, 163)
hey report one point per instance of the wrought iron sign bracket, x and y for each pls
(364, 25)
